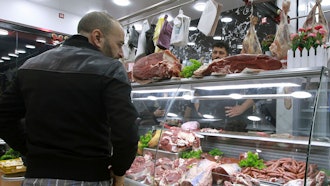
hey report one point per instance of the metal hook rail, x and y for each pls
(150, 15)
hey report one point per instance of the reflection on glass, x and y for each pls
(301, 94)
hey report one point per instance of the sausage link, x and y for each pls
(301, 175)
(290, 175)
(302, 168)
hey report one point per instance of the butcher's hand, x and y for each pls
(234, 111)
(239, 109)
(117, 180)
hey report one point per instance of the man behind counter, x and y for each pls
(220, 50)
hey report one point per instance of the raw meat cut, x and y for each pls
(281, 44)
(199, 174)
(178, 140)
(237, 63)
(161, 65)
(141, 168)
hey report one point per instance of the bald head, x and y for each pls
(104, 32)
(96, 20)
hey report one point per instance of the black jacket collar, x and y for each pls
(79, 41)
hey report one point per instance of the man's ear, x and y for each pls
(97, 38)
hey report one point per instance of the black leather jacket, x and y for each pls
(77, 106)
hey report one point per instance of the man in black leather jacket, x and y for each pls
(79, 118)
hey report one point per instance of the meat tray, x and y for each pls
(161, 153)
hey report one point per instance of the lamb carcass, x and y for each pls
(251, 44)
(281, 44)
(311, 19)
(160, 65)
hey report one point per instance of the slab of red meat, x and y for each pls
(237, 63)
(161, 65)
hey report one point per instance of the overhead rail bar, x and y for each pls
(326, 11)
(162, 3)
(157, 13)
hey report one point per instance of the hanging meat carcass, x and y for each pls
(311, 21)
(282, 43)
(251, 44)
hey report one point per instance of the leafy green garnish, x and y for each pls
(144, 139)
(192, 154)
(215, 152)
(252, 160)
(188, 71)
(10, 154)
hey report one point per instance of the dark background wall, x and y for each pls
(233, 32)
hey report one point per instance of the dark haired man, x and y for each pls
(220, 50)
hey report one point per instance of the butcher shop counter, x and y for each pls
(290, 118)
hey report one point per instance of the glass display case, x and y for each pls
(287, 118)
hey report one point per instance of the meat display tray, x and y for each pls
(162, 153)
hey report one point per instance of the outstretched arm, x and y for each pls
(239, 109)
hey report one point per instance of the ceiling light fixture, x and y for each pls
(20, 51)
(192, 28)
(3, 32)
(12, 55)
(191, 43)
(39, 40)
(5, 58)
(200, 6)
(122, 2)
(218, 38)
(30, 46)
(226, 19)
(1, 61)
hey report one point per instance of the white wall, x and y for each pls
(26, 13)
(292, 14)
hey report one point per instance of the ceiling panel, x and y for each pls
(80, 7)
